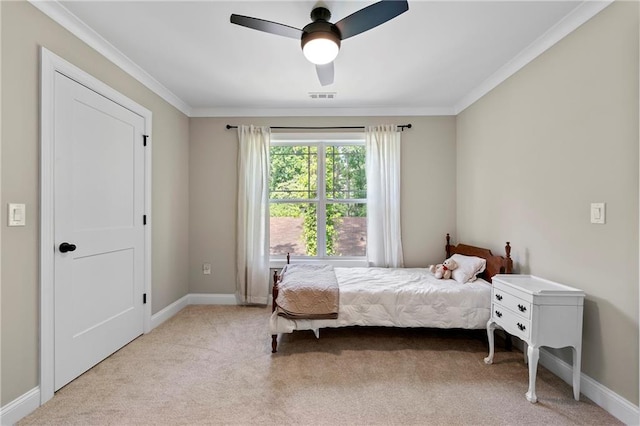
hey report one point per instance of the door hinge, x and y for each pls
(144, 140)
(144, 219)
(144, 299)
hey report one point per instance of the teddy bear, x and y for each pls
(443, 270)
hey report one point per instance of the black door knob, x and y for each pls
(65, 247)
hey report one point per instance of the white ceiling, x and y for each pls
(437, 58)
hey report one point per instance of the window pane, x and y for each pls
(293, 229)
(294, 172)
(346, 229)
(345, 172)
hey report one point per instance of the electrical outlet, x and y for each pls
(206, 268)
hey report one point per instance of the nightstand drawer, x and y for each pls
(511, 302)
(511, 322)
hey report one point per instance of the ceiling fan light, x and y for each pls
(321, 50)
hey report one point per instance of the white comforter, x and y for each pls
(406, 297)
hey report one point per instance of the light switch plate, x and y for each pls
(206, 268)
(16, 214)
(598, 213)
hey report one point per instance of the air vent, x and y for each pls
(322, 95)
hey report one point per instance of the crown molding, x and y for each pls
(581, 14)
(56, 11)
(320, 112)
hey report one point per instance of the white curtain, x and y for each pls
(252, 283)
(384, 242)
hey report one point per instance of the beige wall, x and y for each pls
(428, 190)
(24, 29)
(536, 151)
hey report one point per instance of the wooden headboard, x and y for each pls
(495, 264)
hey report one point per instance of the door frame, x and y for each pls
(50, 64)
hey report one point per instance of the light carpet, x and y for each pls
(213, 365)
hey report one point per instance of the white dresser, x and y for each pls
(541, 313)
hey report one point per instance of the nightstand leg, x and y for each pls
(491, 326)
(577, 352)
(524, 352)
(533, 353)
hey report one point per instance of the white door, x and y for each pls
(98, 228)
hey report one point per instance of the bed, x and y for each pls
(390, 297)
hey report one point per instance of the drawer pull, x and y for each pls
(498, 296)
(522, 308)
(499, 314)
(521, 327)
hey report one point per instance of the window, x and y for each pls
(318, 191)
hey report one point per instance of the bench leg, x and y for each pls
(274, 343)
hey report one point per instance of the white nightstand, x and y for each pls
(541, 313)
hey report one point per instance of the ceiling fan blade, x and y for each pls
(370, 17)
(266, 26)
(325, 73)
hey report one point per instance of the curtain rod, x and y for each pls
(401, 126)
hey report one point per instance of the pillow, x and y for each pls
(468, 268)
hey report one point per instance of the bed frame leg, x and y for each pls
(274, 296)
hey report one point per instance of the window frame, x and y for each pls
(321, 141)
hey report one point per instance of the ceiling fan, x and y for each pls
(321, 39)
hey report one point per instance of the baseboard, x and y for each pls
(166, 313)
(191, 299)
(212, 299)
(610, 401)
(20, 407)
